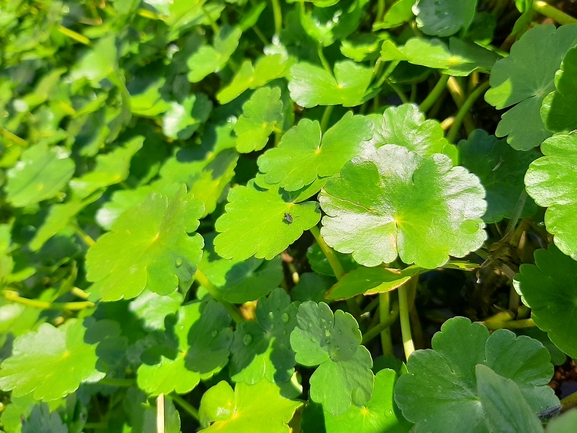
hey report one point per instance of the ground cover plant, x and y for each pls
(308, 216)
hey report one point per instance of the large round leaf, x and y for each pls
(441, 394)
(38, 356)
(550, 289)
(148, 247)
(525, 78)
(399, 203)
(444, 17)
(552, 182)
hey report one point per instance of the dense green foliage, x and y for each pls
(211, 209)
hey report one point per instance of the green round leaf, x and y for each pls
(344, 375)
(312, 85)
(564, 423)
(38, 355)
(152, 308)
(182, 119)
(440, 391)
(302, 156)
(258, 408)
(262, 348)
(261, 223)
(557, 110)
(39, 175)
(42, 421)
(261, 114)
(525, 78)
(552, 182)
(399, 203)
(501, 170)
(148, 247)
(379, 414)
(550, 290)
(444, 17)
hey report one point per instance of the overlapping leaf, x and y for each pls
(552, 182)
(312, 85)
(398, 203)
(444, 17)
(37, 356)
(40, 174)
(501, 170)
(333, 342)
(261, 114)
(440, 393)
(261, 348)
(261, 223)
(182, 119)
(148, 247)
(303, 156)
(549, 289)
(524, 79)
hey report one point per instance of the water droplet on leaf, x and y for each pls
(247, 339)
(178, 262)
(285, 317)
(214, 333)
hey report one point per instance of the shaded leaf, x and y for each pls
(444, 17)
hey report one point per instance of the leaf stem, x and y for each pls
(569, 402)
(552, 12)
(79, 293)
(83, 235)
(112, 381)
(277, 12)
(378, 329)
(384, 314)
(13, 296)
(74, 35)
(510, 324)
(399, 92)
(213, 24)
(211, 288)
(390, 69)
(324, 60)
(326, 117)
(408, 344)
(188, 408)
(381, 4)
(435, 94)
(11, 136)
(160, 413)
(464, 111)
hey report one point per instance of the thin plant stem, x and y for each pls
(376, 330)
(213, 24)
(328, 252)
(381, 4)
(277, 12)
(13, 296)
(326, 117)
(390, 69)
(188, 408)
(260, 35)
(96, 426)
(160, 413)
(510, 324)
(336, 267)
(384, 314)
(569, 402)
(122, 383)
(149, 14)
(211, 288)
(372, 305)
(552, 12)
(323, 59)
(79, 293)
(399, 92)
(464, 111)
(458, 95)
(13, 137)
(408, 344)
(74, 35)
(435, 94)
(83, 235)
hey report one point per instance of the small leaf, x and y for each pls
(152, 308)
(552, 182)
(399, 203)
(42, 421)
(39, 175)
(379, 414)
(255, 223)
(550, 290)
(444, 17)
(343, 376)
(261, 114)
(182, 119)
(312, 85)
(212, 58)
(262, 348)
(525, 78)
(501, 170)
(38, 355)
(154, 252)
(503, 403)
(449, 370)
(257, 408)
(371, 281)
(557, 110)
(399, 13)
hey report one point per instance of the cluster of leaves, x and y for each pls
(190, 189)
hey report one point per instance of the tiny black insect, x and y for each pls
(288, 218)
